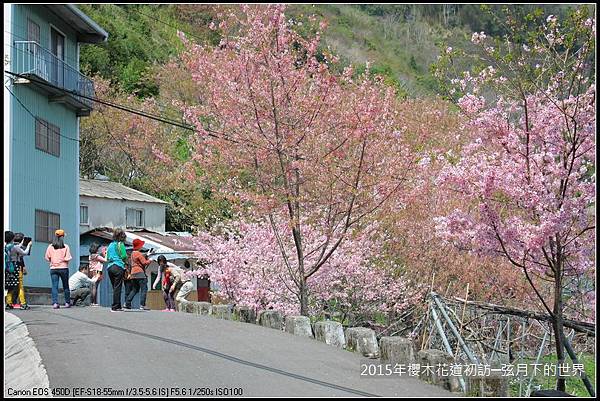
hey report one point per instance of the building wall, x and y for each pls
(40, 180)
(104, 212)
(40, 15)
(8, 27)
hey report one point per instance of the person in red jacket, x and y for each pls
(139, 280)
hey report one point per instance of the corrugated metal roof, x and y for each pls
(173, 242)
(113, 190)
(89, 31)
(168, 245)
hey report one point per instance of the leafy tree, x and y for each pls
(126, 59)
(320, 148)
(528, 164)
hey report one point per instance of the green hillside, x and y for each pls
(140, 37)
(400, 41)
(398, 47)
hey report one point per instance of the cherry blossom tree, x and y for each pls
(249, 269)
(298, 142)
(530, 165)
(431, 131)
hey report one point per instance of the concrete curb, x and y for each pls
(23, 367)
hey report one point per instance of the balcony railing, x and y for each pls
(31, 59)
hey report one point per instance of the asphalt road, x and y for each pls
(161, 353)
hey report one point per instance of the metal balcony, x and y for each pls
(33, 61)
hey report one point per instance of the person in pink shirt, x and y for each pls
(97, 259)
(59, 255)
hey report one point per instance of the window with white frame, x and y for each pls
(134, 218)
(83, 215)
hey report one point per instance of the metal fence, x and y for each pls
(479, 334)
(33, 59)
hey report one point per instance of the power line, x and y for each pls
(198, 38)
(169, 25)
(17, 36)
(70, 58)
(128, 109)
(106, 103)
(79, 141)
(158, 118)
(44, 123)
(29, 52)
(131, 158)
(95, 99)
(75, 140)
(131, 110)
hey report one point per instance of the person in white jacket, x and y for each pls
(80, 286)
(182, 282)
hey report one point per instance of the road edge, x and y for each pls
(23, 367)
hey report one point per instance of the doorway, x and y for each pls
(57, 48)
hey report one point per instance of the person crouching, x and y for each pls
(182, 282)
(80, 286)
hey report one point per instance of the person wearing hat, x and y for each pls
(139, 280)
(59, 255)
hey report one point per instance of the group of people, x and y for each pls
(123, 269)
(15, 250)
(173, 279)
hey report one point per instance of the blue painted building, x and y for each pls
(42, 107)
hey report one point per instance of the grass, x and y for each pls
(574, 385)
(402, 51)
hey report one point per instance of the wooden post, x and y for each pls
(508, 339)
(447, 289)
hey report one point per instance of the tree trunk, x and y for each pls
(558, 323)
(303, 297)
